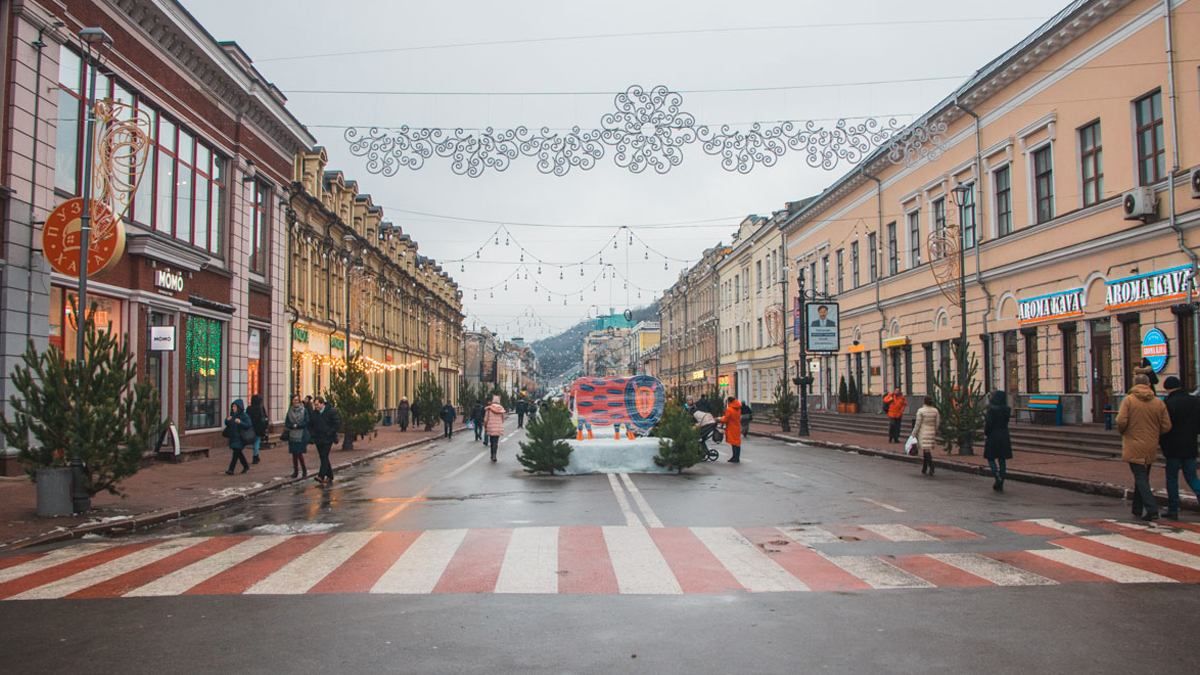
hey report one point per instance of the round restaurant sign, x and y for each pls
(1155, 350)
(61, 240)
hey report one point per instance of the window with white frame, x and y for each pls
(1043, 184)
(1002, 189)
(914, 239)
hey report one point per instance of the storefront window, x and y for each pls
(1032, 373)
(928, 347)
(254, 364)
(1131, 346)
(202, 373)
(1070, 356)
(63, 322)
(1011, 367)
(1187, 351)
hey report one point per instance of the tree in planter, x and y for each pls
(547, 450)
(429, 401)
(92, 409)
(843, 394)
(786, 404)
(679, 440)
(961, 406)
(852, 396)
(351, 396)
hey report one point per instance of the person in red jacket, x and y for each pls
(896, 405)
(732, 419)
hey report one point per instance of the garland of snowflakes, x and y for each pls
(647, 129)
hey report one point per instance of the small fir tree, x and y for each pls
(350, 394)
(786, 404)
(679, 440)
(429, 397)
(961, 406)
(843, 391)
(92, 408)
(547, 450)
(852, 395)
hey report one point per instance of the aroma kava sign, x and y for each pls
(1051, 307)
(1153, 287)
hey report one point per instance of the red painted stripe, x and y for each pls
(245, 574)
(122, 584)
(1063, 574)
(694, 566)
(802, 562)
(937, 572)
(1029, 529)
(1156, 538)
(854, 533)
(1171, 571)
(583, 562)
(360, 573)
(475, 567)
(20, 559)
(948, 532)
(66, 569)
(1185, 526)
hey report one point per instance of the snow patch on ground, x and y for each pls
(109, 519)
(296, 528)
(242, 489)
(609, 455)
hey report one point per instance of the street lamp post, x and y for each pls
(960, 193)
(783, 328)
(804, 380)
(351, 261)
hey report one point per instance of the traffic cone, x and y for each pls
(579, 434)
(590, 435)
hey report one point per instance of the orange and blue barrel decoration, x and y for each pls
(605, 401)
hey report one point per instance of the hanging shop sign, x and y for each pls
(336, 342)
(1155, 349)
(1050, 307)
(697, 374)
(895, 342)
(300, 334)
(168, 280)
(821, 322)
(61, 238)
(1169, 285)
(723, 381)
(162, 338)
(859, 348)
(255, 345)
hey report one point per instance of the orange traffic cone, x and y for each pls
(590, 436)
(579, 434)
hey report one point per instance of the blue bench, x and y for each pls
(1044, 403)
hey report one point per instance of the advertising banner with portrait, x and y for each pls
(821, 322)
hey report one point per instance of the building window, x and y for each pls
(1152, 153)
(825, 274)
(812, 275)
(939, 216)
(914, 239)
(893, 249)
(737, 288)
(1032, 373)
(944, 361)
(758, 275)
(1070, 356)
(1002, 179)
(1187, 351)
(1091, 157)
(873, 250)
(260, 202)
(966, 214)
(202, 373)
(760, 334)
(68, 134)
(841, 269)
(854, 264)
(1131, 345)
(1012, 370)
(1043, 183)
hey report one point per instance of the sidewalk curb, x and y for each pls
(146, 520)
(1062, 482)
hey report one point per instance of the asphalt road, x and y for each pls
(470, 598)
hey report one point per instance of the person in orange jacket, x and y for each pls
(896, 405)
(732, 419)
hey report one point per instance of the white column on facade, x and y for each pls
(276, 349)
(238, 258)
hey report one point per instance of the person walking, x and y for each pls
(402, 413)
(493, 420)
(997, 448)
(415, 408)
(522, 408)
(258, 418)
(732, 419)
(448, 415)
(925, 428)
(1142, 420)
(240, 432)
(896, 406)
(295, 424)
(747, 417)
(477, 420)
(1179, 444)
(1144, 368)
(323, 427)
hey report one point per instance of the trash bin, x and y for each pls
(54, 492)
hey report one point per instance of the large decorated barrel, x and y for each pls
(605, 401)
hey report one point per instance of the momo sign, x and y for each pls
(1050, 307)
(169, 280)
(1170, 285)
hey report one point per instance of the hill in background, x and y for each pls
(559, 355)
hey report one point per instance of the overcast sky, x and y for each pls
(792, 43)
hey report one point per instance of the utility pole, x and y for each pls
(804, 380)
(784, 330)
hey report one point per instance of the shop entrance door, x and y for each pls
(157, 368)
(1101, 376)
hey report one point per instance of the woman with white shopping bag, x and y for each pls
(925, 430)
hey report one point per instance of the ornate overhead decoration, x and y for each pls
(648, 128)
(943, 261)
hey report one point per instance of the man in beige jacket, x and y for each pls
(1141, 420)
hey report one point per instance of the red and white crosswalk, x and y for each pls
(603, 560)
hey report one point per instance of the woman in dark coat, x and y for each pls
(402, 413)
(296, 423)
(997, 448)
(236, 427)
(258, 418)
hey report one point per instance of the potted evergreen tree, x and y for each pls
(428, 396)
(852, 396)
(350, 394)
(843, 394)
(679, 440)
(547, 450)
(786, 404)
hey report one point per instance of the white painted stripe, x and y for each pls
(531, 562)
(1055, 525)
(185, 578)
(889, 507)
(305, 571)
(422, 565)
(752, 568)
(810, 534)
(466, 466)
(647, 513)
(999, 573)
(638, 564)
(1167, 555)
(1117, 572)
(897, 532)
(876, 572)
(631, 518)
(1181, 535)
(56, 557)
(108, 570)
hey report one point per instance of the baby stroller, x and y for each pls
(714, 433)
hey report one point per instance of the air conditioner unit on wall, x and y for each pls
(1140, 204)
(1194, 179)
